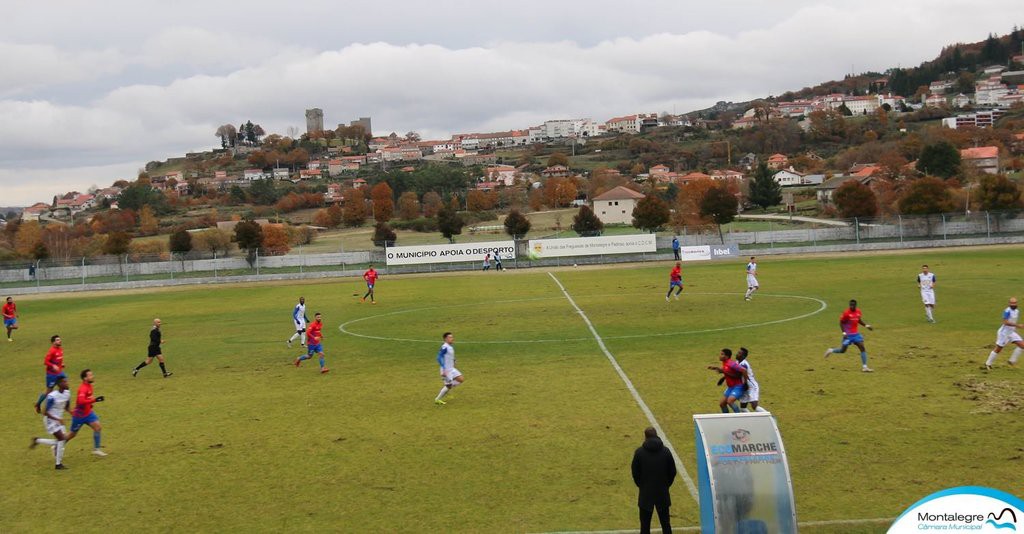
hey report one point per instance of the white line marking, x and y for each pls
(343, 327)
(697, 529)
(629, 385)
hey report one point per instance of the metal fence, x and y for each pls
(765, 236)
(896, 229)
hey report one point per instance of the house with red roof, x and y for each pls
(777, 162)
(985, 158)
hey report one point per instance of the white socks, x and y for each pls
(1015, 355)
(444, 391)
(303, 338)
(46, 441)
(294, 337)
(60, 452)
(992, 358)
(928, 312)
(760, 409)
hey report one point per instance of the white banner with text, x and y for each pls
(459, 252)
(592, 246)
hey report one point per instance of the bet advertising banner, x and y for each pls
(458, 252)
(592, 246)
(743, 475)
(967, 508)
(708, 252)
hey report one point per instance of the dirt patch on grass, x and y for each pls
(993, 396)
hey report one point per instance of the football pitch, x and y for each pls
(540, 435)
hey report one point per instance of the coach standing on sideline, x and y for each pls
(653, 472)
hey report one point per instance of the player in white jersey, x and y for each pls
(926, 281)
(450, 375)
(752, 395)
(299, 319)
(751, 279)
(57, 402)
(1007, 334)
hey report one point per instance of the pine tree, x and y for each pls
(764, 190)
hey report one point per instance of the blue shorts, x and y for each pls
(734, 391)
(315, 349)
(51, 380)
(10, 322)
(369, 285)
(851, 339)
(78, 422)
(673, 283)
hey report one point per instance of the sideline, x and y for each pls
(697, 528)
(636, 395)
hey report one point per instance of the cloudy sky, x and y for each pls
(89, 92)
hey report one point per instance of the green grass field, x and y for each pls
(540, 436)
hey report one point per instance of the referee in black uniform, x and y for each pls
(154, 351)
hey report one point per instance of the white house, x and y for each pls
(788, 177)
(504, 174)
(250, 175)
(616, 206)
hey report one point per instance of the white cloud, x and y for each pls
(26, 186)
(27, 67)
(510, 80)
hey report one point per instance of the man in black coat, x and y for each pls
(654, 469)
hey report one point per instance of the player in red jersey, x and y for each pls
(54, 363)
(83, 414)
(675, 280)
(371, 279)
(848, 322)
(10, 313)
(735, 380)
(314, 343)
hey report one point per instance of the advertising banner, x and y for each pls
(592, 246)
(459, 252)
(964, 508)
(708, 252)
(743, 475)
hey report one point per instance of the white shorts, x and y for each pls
(52, 427)
(751, 281)
(1005, 338)
(752, 394)
(452, 375)
(928, 296)
(300, 327)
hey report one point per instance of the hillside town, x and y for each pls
(811, 144)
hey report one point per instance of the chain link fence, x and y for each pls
(763, 235)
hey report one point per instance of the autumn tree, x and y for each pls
(720, 206)
(214, 240)
(650, 214)
(998, 193)
(276, 240)
(475, 200)
(227, 134)
(940, 159)
(180, 241)
(764, 190)
(29, 235)
(249, 237)
(148, 223)
(536, 199)
(449, 223)
(383, 202)
(559, 192)
(408, 206)
(383, 235)
(558, 158)
(926, 196)
(516, 224)
(586, 223)
(432, 204)
(854, 199)
(117, 243)
(354, 213)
